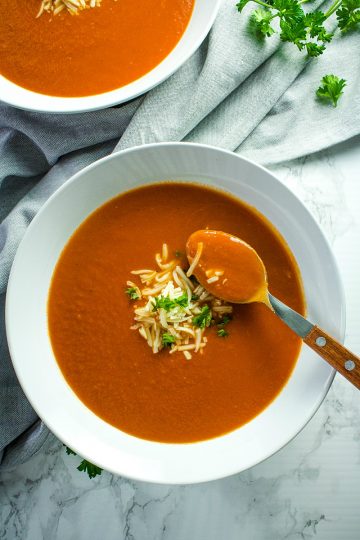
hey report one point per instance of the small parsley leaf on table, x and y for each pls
(331, 88)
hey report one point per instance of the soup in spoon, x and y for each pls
(227, 267)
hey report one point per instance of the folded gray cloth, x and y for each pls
(256, 98)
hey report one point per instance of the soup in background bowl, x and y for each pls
(293, 393)
(121, 49)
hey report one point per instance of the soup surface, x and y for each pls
(165, 397)
(96, 51)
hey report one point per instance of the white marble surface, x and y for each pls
(310, 489)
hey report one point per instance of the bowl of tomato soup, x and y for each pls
(121, 50)
(126, 357)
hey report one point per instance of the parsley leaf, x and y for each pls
(91, 469)
(167, 339)
(293, 31)
(204, 318)
(260, 22)
(314, 50)
(290, 10)
(348, 15)
(314, 22)
(132, 293)
(331, 89)
(85, 466)
(222, 332)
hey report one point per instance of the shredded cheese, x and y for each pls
(71, 6)
(172, 310)
(196, 259)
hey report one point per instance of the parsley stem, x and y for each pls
(262, 4)
(332, 8)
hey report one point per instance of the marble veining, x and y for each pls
(310, 489)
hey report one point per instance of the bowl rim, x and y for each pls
(123, 94)
(293, 431)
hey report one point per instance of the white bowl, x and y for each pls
(202, 18)
(30, 348)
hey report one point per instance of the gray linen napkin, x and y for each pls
(256, 98)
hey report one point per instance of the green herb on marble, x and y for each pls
(85, 465)
(91, 469)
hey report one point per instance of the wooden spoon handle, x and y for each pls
(335, 354)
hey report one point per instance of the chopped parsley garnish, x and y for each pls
(178, 254)
(222, 332)
(132, 293)
(167, 339)
(204, 318)
(85, 465)
(225, 320)
(332, 88)
(164, 302)
(195, 297)
(182, 300)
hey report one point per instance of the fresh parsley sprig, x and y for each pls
(306, 30)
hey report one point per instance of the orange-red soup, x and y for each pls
(96, 51)
(111, 368)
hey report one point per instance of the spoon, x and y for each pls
(232, 270)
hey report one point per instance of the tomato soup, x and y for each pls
(98, 50)
(167, 397)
